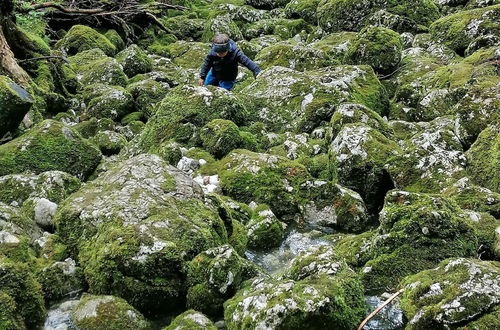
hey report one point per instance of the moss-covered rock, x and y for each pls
(416, 232)
(220, 136)
(264, 230)
(457, 31)
(486, 226)
(135, 226)
(359, 154)
(298, 57)
(349, 113)
(456, 293)
(247, 176)
(433, 158)
(109, 142)
(134, 61)
(147, 94)
(321, 298)
(80, 38)
(48, 146)
(300, 101)
(106, 312)
(187, 108)
(335, 45)
(305, 9)
(385, 19)
(185, 27)
(115, 39)
(15, 102)
(474, 198)
(21, 297)
(187, 55)
(60, 279)
(191, 320)
(93, 67)
(281, 27)
(348, 15)
(214, 276)
(483, 161)
(105, 101)
(376, 46)
(222, 24)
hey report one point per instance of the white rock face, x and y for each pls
(44, 212)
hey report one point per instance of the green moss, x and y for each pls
(58, 281)
(115, 39)
(147, 94)
(219, 24)
(80, 38)
(198, 153)
(455, 32)
(103, 101)
(265, 231)
(335, 45)
(220, 136)
(134, 61)
(109, 142)
(15, 102)
(49, 146)
(134, 116)
(483, 162)
(21, 294)
(304, 9)
(106, 312)
(191, 320)
(376, 46)
(283, 28)
(183, 27)
(293, 56)
(452, 294)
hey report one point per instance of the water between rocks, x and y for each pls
(274, 261)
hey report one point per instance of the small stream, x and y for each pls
(299, 240)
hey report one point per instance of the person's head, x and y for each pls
(220, 44)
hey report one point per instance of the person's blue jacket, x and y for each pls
(226, 68)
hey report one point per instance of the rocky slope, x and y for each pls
(371, 140)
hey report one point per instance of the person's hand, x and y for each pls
(201, 82)
(258, 75)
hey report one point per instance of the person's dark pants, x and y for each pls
(211, 80)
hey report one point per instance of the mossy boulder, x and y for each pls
(457, 31)
(186, 109)
(376, 46)
(305, 9)
(348, 15)
(147, 94)
(350, 113)
(432, 158)
(455, 294)
(294, 56)
(135, 226)
(185, 27)
(359, 154)
(15, 102)
(21, 297)
(109, 142)
(416, 232)
(328, 206)
(264, 230)
(105, 101)
(89, 128)
(106, 312)
(191, 320)
(474, 198)
(187, 55)
(281, 27)
(222, 24)
(134, 61)
(220, 136)
(395, 22)
(50, 145)
(115, 39)
(322, 297)
(214, 276)
(247, 176)
(486, 226)
(483, 161)
(93, 67)
(80, 38)
(335, 45)
(301, 101)
(60, 279)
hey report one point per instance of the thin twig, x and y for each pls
(379, 308)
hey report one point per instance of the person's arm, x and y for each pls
(207, 65)
(251, 65)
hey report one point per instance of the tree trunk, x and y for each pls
(8, 64)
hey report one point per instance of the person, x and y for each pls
(220, 67)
